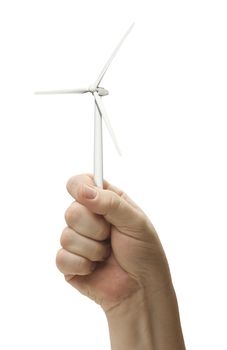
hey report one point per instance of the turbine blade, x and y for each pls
(76, 91)
(103, 113)
(101, 75)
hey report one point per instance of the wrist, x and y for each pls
(129, 324)
(146, 321)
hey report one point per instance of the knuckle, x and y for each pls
(66, 237)
(68, 215)
(71, 213)
(114, 202)
(60, 259)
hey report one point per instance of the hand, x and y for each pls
(110, 248)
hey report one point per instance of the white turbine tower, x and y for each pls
(100, 113)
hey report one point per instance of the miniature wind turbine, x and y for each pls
(100, 112)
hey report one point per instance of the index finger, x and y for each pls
(88, 179)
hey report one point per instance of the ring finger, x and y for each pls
(84, 246)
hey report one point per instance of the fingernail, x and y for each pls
(89, 192)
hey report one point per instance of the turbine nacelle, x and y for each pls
(102, 92)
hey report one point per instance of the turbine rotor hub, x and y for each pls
(100, 90)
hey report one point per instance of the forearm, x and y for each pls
(146, 322)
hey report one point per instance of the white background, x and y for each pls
(168, 106)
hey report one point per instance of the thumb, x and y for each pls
(115, 209)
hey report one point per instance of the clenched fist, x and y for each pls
(110, 249)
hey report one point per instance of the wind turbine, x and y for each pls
(99, 113)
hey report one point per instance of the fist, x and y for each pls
(109, 248)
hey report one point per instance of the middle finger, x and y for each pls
(88, 224)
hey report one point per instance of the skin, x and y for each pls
(112, 254)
